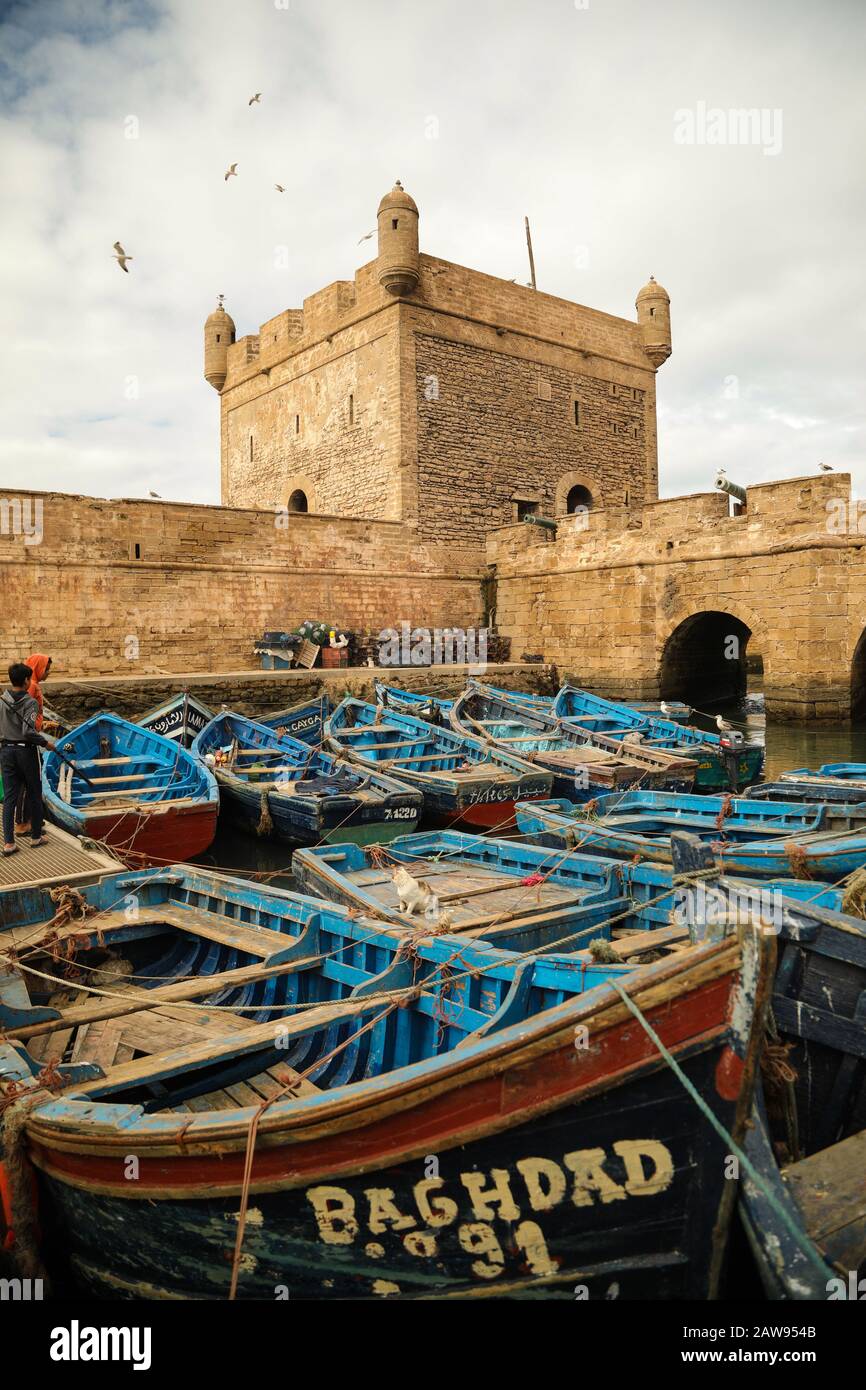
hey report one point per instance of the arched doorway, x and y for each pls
(298, 501)
(704, 660)
(858, 680)
(577, 498)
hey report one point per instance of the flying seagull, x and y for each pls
(121, 256)
(826, 467)
(367, 237)
(279, 188)
(257, 97)
(232, 171)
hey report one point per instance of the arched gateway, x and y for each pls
(704, 659)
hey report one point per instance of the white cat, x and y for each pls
(413, 893)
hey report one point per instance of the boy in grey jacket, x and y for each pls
(19, 761)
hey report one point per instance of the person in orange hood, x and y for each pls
(40, 666)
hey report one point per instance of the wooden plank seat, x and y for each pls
(830, 1189)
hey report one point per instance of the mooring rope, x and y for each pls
(790, 1226)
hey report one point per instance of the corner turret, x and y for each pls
(399, 266)
(219, 334)
(654, 316)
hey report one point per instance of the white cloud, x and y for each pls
(565, 114)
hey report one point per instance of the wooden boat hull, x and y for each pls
(181, 718)
(162, 836)
(304, 721)
(340, 821)
(713, 773)
(310, 797)
(525, 1165)
(480, 787)
(785, 1270)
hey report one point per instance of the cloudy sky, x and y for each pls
(119, 120)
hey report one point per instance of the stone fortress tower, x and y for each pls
(425, 392)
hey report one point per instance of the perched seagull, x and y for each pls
(367, 237)
(279, 188)
(232, 171)
(720, 473)
(253, 99)
(826, 467)
(121, 256)
(154, 494)
(723, 726)
(665, 709)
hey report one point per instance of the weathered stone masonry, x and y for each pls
(193, 586)
(605, 600)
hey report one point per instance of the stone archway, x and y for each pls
(703, 660)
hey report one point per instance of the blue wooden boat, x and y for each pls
(804, 852)
(721, 765)
(286, 790)
(543, 704)
(720, 817)
(582, 764)
(803, 1203)
(815, 789)
(846, 772)
(145, 796)
(326, 1058)
(414, 702)
(304, 721)
(462, 779)
(432, 708)
(180, 718)
(502, 890)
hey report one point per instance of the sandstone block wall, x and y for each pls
(134, 586)
(604, 601)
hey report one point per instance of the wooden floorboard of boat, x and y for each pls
(830, 1189)
(257, 941)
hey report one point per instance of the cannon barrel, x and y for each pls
(732, 489)
(542, 521)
